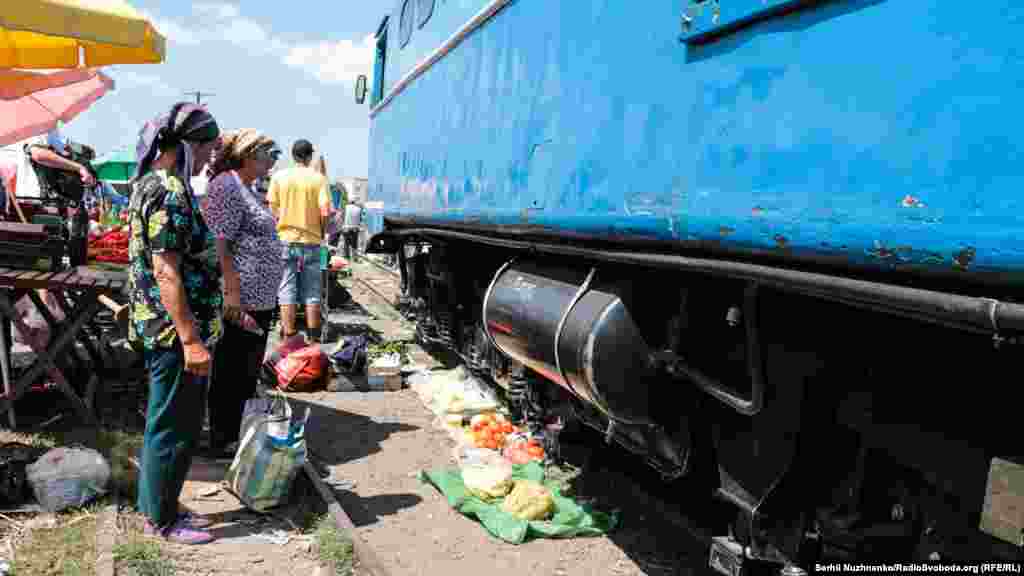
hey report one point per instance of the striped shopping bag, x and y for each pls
(269, 456)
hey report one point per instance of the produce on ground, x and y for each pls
(529, 500)
(523, 451)
(488, 482)
(490, 430)
(375, 351)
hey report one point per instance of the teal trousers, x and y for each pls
(174, 424)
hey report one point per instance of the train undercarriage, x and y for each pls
(827, 431)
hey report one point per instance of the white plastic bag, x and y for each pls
(459, 392)
(39, 334)
(68, 478)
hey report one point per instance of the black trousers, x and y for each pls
(237, 362)
(351, 243)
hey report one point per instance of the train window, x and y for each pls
(380, 64)
(425, 11)
(405, 22)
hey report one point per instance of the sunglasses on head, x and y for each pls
(270, 155)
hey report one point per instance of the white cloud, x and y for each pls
(219, 10)
(173, 31)
(334, 62)
(244, 32)
(329, 61)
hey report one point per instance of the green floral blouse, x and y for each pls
(164, 219)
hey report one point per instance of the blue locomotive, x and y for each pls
(775, 248)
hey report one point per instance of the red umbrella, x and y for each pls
(33, 103)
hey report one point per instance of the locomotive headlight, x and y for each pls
(733, 316)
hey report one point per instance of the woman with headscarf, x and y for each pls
(250, 256)
(175, 309)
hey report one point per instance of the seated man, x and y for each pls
(55, 155)
(66, 180)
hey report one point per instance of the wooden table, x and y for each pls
(78, 291)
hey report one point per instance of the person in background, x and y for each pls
(175, 309)
(250, 256)
(53, 155)
(300, 200)
(6, 187)
(321, 165)
(351, 227)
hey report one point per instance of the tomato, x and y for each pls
(517, 456)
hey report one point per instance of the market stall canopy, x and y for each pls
(39, 112)
(49, 34)
(118, 166)
(16, 84)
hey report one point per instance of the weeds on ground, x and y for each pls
(68, 548)
(141, 557)
(334, 547)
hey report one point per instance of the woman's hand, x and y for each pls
(233, 307)
(166, 268)
(86, 176)
(232, 283)
(197, 358)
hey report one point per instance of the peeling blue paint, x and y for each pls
(881, 133)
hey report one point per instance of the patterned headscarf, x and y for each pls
(184, 124)
(237, 145)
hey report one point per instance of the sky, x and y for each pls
(285, 68)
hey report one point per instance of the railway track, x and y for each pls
(383, 268)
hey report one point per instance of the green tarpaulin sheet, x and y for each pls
(569, 520)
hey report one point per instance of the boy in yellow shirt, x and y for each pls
(300, 200)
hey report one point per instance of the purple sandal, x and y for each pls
(195, 521)
(181, 532)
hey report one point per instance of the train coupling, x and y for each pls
(726, 556)
(730, 558)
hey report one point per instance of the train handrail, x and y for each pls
(986, 316)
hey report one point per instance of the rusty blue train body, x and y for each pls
(735, 237)
(882, 134)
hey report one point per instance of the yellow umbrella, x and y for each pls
(48, 34)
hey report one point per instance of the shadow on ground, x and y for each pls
(368, 511)
(653, 528)
(336, 436)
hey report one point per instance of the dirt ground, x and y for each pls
(375, 443)
(248, 544)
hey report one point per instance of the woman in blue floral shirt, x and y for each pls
(176, 309)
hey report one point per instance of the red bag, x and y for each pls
(303, 370)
